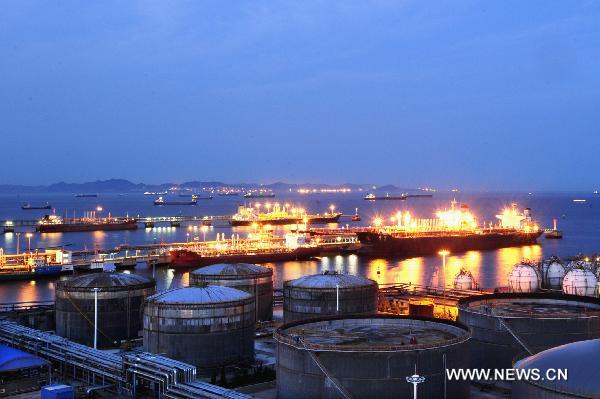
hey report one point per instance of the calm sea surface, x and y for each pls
(580, 223)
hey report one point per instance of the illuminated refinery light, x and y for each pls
(377, 222)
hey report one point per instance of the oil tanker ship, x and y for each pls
(261, 248)
(454, 229)
(57, 224)
(280, 215)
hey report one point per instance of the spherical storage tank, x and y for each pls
(524, 278)
(553, 273)
(120, 302)
(578, 359)
(464, 280)
(208, 326)
(580, 281)
(328, 294)
(254, 279)
(506, 326)
(370, 357)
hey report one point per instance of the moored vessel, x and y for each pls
(34, 265)
(280, 215)
(57, 224)
(258, 248)
(453, 229)
(259, 194)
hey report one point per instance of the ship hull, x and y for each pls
(185, 258)
(376, 244)
(41, 273)
(287, 221)
(78, 227)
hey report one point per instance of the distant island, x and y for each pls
(126, 186)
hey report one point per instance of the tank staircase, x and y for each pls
(122, 373)
(504, 324)
(324, 370)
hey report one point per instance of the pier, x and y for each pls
(9, 225)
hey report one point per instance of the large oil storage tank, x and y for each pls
(208, 326)
(524, 278)
(120, 299)
(577, 358)
(254, 279)
(329, 293)
(370, 357)
(580, 281)
(507, 327)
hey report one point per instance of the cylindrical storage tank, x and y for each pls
(370, 357)
(328, 294)
(422, 308)
(120, 299)
(254, 279)
(581, 381)
(579, 281)
(553, 273)
(208, 327)
(507, 326)
(464, 280)
(524, 278)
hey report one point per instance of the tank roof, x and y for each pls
(233, 269)
(330, 280)
(199, 295)
(372, 333)
(106, 281)
(578, 358)
(532, 305)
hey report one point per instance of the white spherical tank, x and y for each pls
(524, 278)
(464, 280)
(553, 273)
(579, 281)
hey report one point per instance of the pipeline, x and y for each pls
(175, 379)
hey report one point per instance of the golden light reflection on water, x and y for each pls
(508, 257)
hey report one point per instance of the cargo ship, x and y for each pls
(401, 197)
(258, 249)
(34, 265)
(454, 229)
(161, 201)
(86, 195)
(280, 215)
(57, 224)
(28, 206)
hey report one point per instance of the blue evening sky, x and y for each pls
(479, 95)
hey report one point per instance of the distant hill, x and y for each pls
(126, 186)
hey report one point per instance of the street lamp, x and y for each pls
(415, 379)
(28, 235)
(444, 253)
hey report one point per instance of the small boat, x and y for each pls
(155, 193)
(28, 206)
(579, 200)
(86, 195)
(161, 201)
